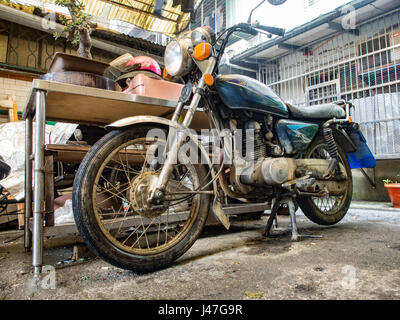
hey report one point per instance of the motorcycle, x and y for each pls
(143, 192)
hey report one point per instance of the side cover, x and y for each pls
(295, 135)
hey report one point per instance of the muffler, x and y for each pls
(277, 171)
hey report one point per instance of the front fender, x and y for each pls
(139, 120)
(130, 122)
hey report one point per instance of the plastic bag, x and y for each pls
(64, 215)
(12, 149)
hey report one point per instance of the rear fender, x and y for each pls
(343, 140)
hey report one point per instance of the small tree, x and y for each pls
(78, 28)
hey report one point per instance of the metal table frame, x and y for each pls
(37, 108)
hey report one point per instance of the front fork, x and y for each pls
(158, 192)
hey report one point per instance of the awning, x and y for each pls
(150, 15)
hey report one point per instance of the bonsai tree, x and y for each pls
(78, 27)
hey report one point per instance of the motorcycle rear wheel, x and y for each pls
(106, 183)
(331, 209)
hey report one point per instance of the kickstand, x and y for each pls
(272, 217)
(290, 202)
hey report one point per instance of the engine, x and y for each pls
(263, 164)
(253, 148)
(260, 148)
(265, 170)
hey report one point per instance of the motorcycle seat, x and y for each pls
(321, 111)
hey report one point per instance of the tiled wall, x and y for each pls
(18, 88)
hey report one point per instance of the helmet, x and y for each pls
(144, 63)
(138, 65)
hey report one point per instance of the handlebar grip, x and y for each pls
(247, 28)
(277, 31)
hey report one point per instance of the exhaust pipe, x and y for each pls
(277, 171)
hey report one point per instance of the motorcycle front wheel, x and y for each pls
(327, 210)
(111, 211)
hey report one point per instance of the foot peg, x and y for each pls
(292, 206)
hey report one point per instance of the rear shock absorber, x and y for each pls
(332, 150)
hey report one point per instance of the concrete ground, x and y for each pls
(359, 258)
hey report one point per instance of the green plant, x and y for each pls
(78, 27)
(388, 181)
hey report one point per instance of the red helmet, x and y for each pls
(131, 66)
(144, 63)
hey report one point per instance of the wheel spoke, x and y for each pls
(327, 204)
(147, 229)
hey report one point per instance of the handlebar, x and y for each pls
(246, 27)
(251, 29)
(277, 31)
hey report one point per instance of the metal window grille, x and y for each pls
(363, 68)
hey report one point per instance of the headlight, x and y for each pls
(203, 34)
(177, 59)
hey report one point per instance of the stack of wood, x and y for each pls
(8, 103)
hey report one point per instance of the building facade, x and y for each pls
(323, 61)
(362, 67)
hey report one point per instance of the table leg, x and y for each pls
(38, 194)
(28, 183)
(49, 190)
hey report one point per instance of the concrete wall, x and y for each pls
(362, 190)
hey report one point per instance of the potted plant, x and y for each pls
(78, 27)
(393, 189)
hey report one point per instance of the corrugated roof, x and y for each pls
(137, 43)
(139, 13)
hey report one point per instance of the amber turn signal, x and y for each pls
(208, 79)
(165, 74)
(202, 51)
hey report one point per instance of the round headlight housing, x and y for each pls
(203, 34)
(177, 59)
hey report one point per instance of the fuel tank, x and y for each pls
(245, 93)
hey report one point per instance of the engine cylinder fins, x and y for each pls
(259, 149)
